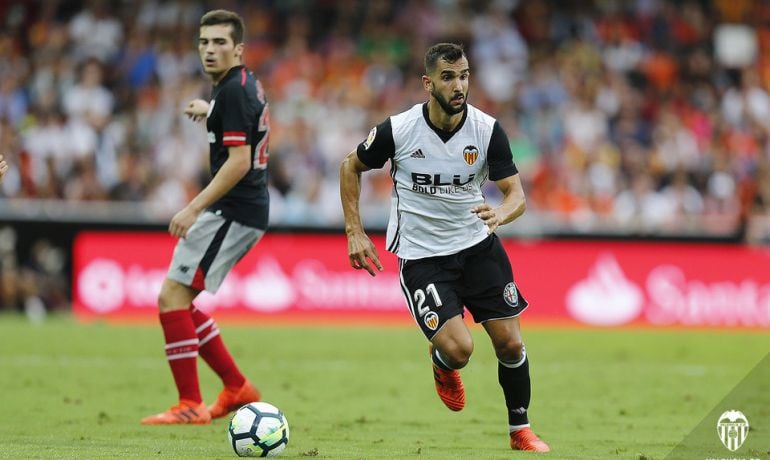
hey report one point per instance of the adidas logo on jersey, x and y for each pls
(417, 154)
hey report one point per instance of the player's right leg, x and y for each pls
(182, 354)
(428, 285)
(450, 351)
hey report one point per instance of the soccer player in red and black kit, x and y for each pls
(218, 226)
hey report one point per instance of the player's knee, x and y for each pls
(165, 302)
(458, 353)
(171, 298)
(510, 350)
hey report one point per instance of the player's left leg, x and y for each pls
(232, 241)
(238, 390)
(513, 375)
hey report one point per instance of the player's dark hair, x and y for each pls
(448, 52)
(217, 17)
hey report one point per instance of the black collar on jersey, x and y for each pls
(444, 135)
(230, 73)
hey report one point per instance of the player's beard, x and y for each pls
(446, 106)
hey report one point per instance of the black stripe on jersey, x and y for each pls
(213, 249)
(401, 263)
(393, 247)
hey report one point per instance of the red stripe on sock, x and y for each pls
(215, 353)
(178, 326)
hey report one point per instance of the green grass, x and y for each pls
(78, 391)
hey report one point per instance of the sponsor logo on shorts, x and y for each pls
(511, 294)
(470, 154)
(431, 320)
(370, 138)
(183, 268)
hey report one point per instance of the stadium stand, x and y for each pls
(629, 118)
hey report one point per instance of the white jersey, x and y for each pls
(437, 178)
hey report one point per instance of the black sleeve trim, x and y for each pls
(499, 155)
(378, 147)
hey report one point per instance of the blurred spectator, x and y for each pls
(95, 33)
(36, 285)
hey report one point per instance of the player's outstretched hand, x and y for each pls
(3, 167)
(197, 110)
(361, 251)
(488, 215)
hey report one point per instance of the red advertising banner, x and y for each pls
(307, 278)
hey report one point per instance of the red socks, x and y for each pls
(182, 352)
(213, 351)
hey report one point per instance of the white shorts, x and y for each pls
(212, 247)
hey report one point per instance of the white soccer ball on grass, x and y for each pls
(258, 429)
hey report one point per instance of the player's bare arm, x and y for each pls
(3, 167)
(237, 165)
(197, 110)
(361, 250)
(513, 205)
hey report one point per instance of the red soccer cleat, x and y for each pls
(184, 413)
(449, 387)
(230, 400)
(526, 439)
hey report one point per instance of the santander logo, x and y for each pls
(674, 299)
(105, 285)
(606, 297)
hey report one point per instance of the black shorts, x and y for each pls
(479, 278)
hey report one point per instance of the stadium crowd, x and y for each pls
(645, 116)
(639, 117)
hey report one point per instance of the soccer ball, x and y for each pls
(258, 429)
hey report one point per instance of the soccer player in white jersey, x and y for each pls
(442, 231)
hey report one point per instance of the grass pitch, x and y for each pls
(78, 391)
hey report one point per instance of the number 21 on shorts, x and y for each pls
(420, 296)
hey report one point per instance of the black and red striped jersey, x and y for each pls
(238, 115)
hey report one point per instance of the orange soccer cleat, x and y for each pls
(526, 439)
(449, 387)
(186, 412)
(230, 400)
